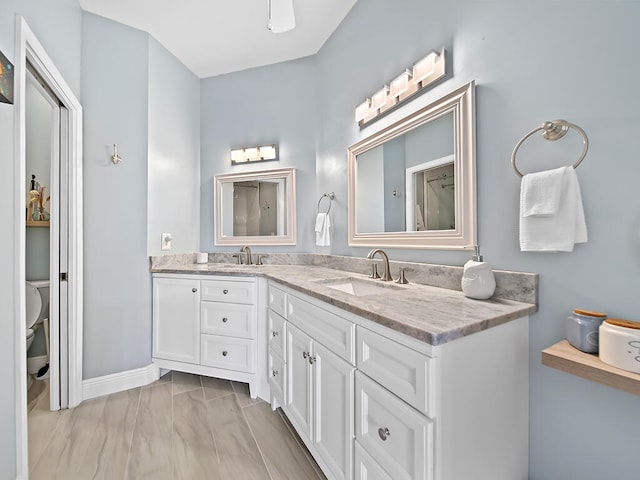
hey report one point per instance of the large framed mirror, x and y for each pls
(413, 184)
(255, 208)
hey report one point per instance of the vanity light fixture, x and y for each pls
(425, 72)
(263, 153)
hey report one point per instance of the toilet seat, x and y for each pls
(33, 303)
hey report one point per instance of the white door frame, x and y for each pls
(29, 48)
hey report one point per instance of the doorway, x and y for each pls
(65, 270)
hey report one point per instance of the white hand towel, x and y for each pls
(541, 192)
(559, 232)
(323, 224)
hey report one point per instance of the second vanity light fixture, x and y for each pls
(408, 83)
(264, 153)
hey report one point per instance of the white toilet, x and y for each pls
(37, 299)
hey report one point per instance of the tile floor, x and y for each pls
(181, 427)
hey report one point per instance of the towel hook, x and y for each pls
(554, 130)
(330, 196)
(115, 158)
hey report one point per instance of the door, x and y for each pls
(176, 319)
(47, 156)
(299, 401)
(333, 410)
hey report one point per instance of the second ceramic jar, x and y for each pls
(582, 329)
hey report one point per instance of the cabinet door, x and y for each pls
(277, 333)
(176, 324)
(333, 410)
(366, 468)
(299, 399)
(277, 373)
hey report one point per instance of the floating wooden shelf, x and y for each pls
(562, 356)
(32, 223)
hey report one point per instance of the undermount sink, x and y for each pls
(359, 288)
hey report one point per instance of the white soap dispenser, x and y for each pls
(477, 278)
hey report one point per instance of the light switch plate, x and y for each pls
(166, 241)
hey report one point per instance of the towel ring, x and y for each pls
(330, 196)
(553, 131)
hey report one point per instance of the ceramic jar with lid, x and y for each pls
(620, 344)
(582, 329)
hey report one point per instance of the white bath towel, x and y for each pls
(323, 224)
(559, 232)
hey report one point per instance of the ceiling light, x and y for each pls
(281, 16)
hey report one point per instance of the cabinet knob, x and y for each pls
(311, 360)
(274, 373)
(274, 333)
(225, 353)
(225, 291)
(194, 290)
(225, 320)
(383, 433)
(305, 355)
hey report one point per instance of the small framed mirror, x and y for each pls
(255, 208)
(413, 184)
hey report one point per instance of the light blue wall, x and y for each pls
(174, 153)
(273, 104)
(532, 62)
(117, 287)
(57, 24)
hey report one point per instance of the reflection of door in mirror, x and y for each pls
(432, 186)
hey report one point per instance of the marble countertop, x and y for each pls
(431, 314)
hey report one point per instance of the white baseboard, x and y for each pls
(118, 382)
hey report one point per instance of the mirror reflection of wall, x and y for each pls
(385, 170)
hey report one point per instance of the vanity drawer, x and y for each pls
(228, 319)
(403, 371)
(332, 331)
(228, 353)
(277, 333)
(231, 291)
(277, 300)
(277, 375)
(398, 437)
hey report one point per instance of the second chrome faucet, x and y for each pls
(386, 274)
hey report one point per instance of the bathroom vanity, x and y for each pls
(380, 381)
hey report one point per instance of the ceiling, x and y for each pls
(212, 37)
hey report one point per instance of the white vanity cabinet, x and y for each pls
(318, 393)
(206, 326)
(372, 403)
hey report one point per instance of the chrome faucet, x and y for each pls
(386, 274)
(247, 250)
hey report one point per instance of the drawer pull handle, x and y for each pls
(274, 373)
(274, 333)
(225, 291)
(384, 433)
(194, 290)
(225, 353)
(311, 360)
(225, 320)
(305, 355)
